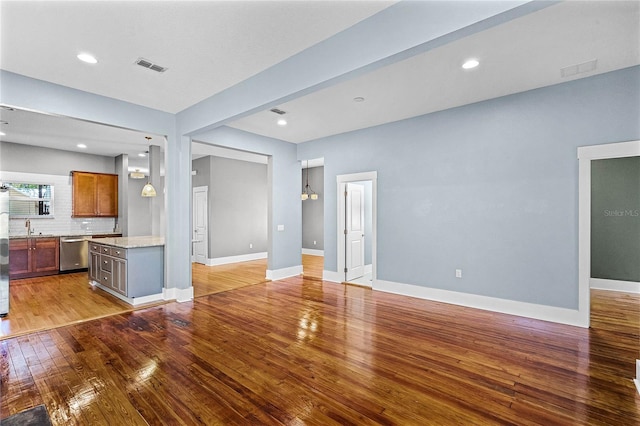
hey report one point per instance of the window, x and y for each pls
(30, 200)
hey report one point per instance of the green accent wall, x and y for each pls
(615, 219)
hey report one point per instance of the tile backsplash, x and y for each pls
(61, 223)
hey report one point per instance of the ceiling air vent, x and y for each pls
(579, 68)
(278, 111)
(148, 64)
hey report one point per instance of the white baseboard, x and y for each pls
(133, 301)
(279, 274)
(334, 277)
(522, 309)
(137, 301)
(637, 379)
(235, 259)
(614, 285)
(178, 294)
(313, 252)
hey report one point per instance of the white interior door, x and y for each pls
(200, 225)
(354, 231)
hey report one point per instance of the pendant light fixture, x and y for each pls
(137, 174)
(148, 190)
(307, 192)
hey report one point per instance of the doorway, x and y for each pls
(585, 155)
(313, 218)
(357, 224)
(200, 224)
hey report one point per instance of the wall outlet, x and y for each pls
(314, 242)
(250, 245)
(458, 273)
(280, 227)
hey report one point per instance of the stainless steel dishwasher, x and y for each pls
(73, 253)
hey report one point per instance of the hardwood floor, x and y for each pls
(43, 303)
(301, 351)
(215, 279)
(312, 266)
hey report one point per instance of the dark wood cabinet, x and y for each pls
(95, 194)
(32, 257)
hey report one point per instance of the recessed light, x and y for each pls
(3, 134)
(470, 63)
(282, 122)
(142, 154)
(358, 99)
(81, 145)
(85, 57)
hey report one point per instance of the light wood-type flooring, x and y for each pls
(302, 351)
(43, 303)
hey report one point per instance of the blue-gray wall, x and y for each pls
(283, 183)
(237, 197)
(490, 188)
(615, 219)
(313, 210)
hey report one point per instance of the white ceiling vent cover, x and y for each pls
(576, 69)
(148, 64)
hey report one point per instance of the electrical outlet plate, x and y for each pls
(458, 273)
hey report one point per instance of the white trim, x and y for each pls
(133, 301)
(610, 150)
(615, 285)
(511, 307)
(637, 379)
(178, 294)
(585, 155)
(279, 274)
(235, 259)
(342, 180)
(136, 301)
(331, 276)
(313, 252)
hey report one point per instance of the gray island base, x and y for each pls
(130, 268)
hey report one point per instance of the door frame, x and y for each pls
(585, 155)
(340, 203)
(195, 189)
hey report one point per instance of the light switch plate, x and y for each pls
(280, 227)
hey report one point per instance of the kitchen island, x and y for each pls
(130, 268)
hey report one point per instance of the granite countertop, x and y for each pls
(131, 242)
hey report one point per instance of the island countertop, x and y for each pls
(131, 242)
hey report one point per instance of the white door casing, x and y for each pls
(200, 224)
(585, 155)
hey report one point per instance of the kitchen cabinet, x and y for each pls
(128, 272)
(108, 267)
(33, 257)
(95, 194)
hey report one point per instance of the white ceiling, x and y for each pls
(522, 54)
(207, 46)
(196, 40)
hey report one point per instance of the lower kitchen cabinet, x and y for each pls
(33, 257)
(132, 272)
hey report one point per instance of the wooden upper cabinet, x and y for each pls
(95, 194)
